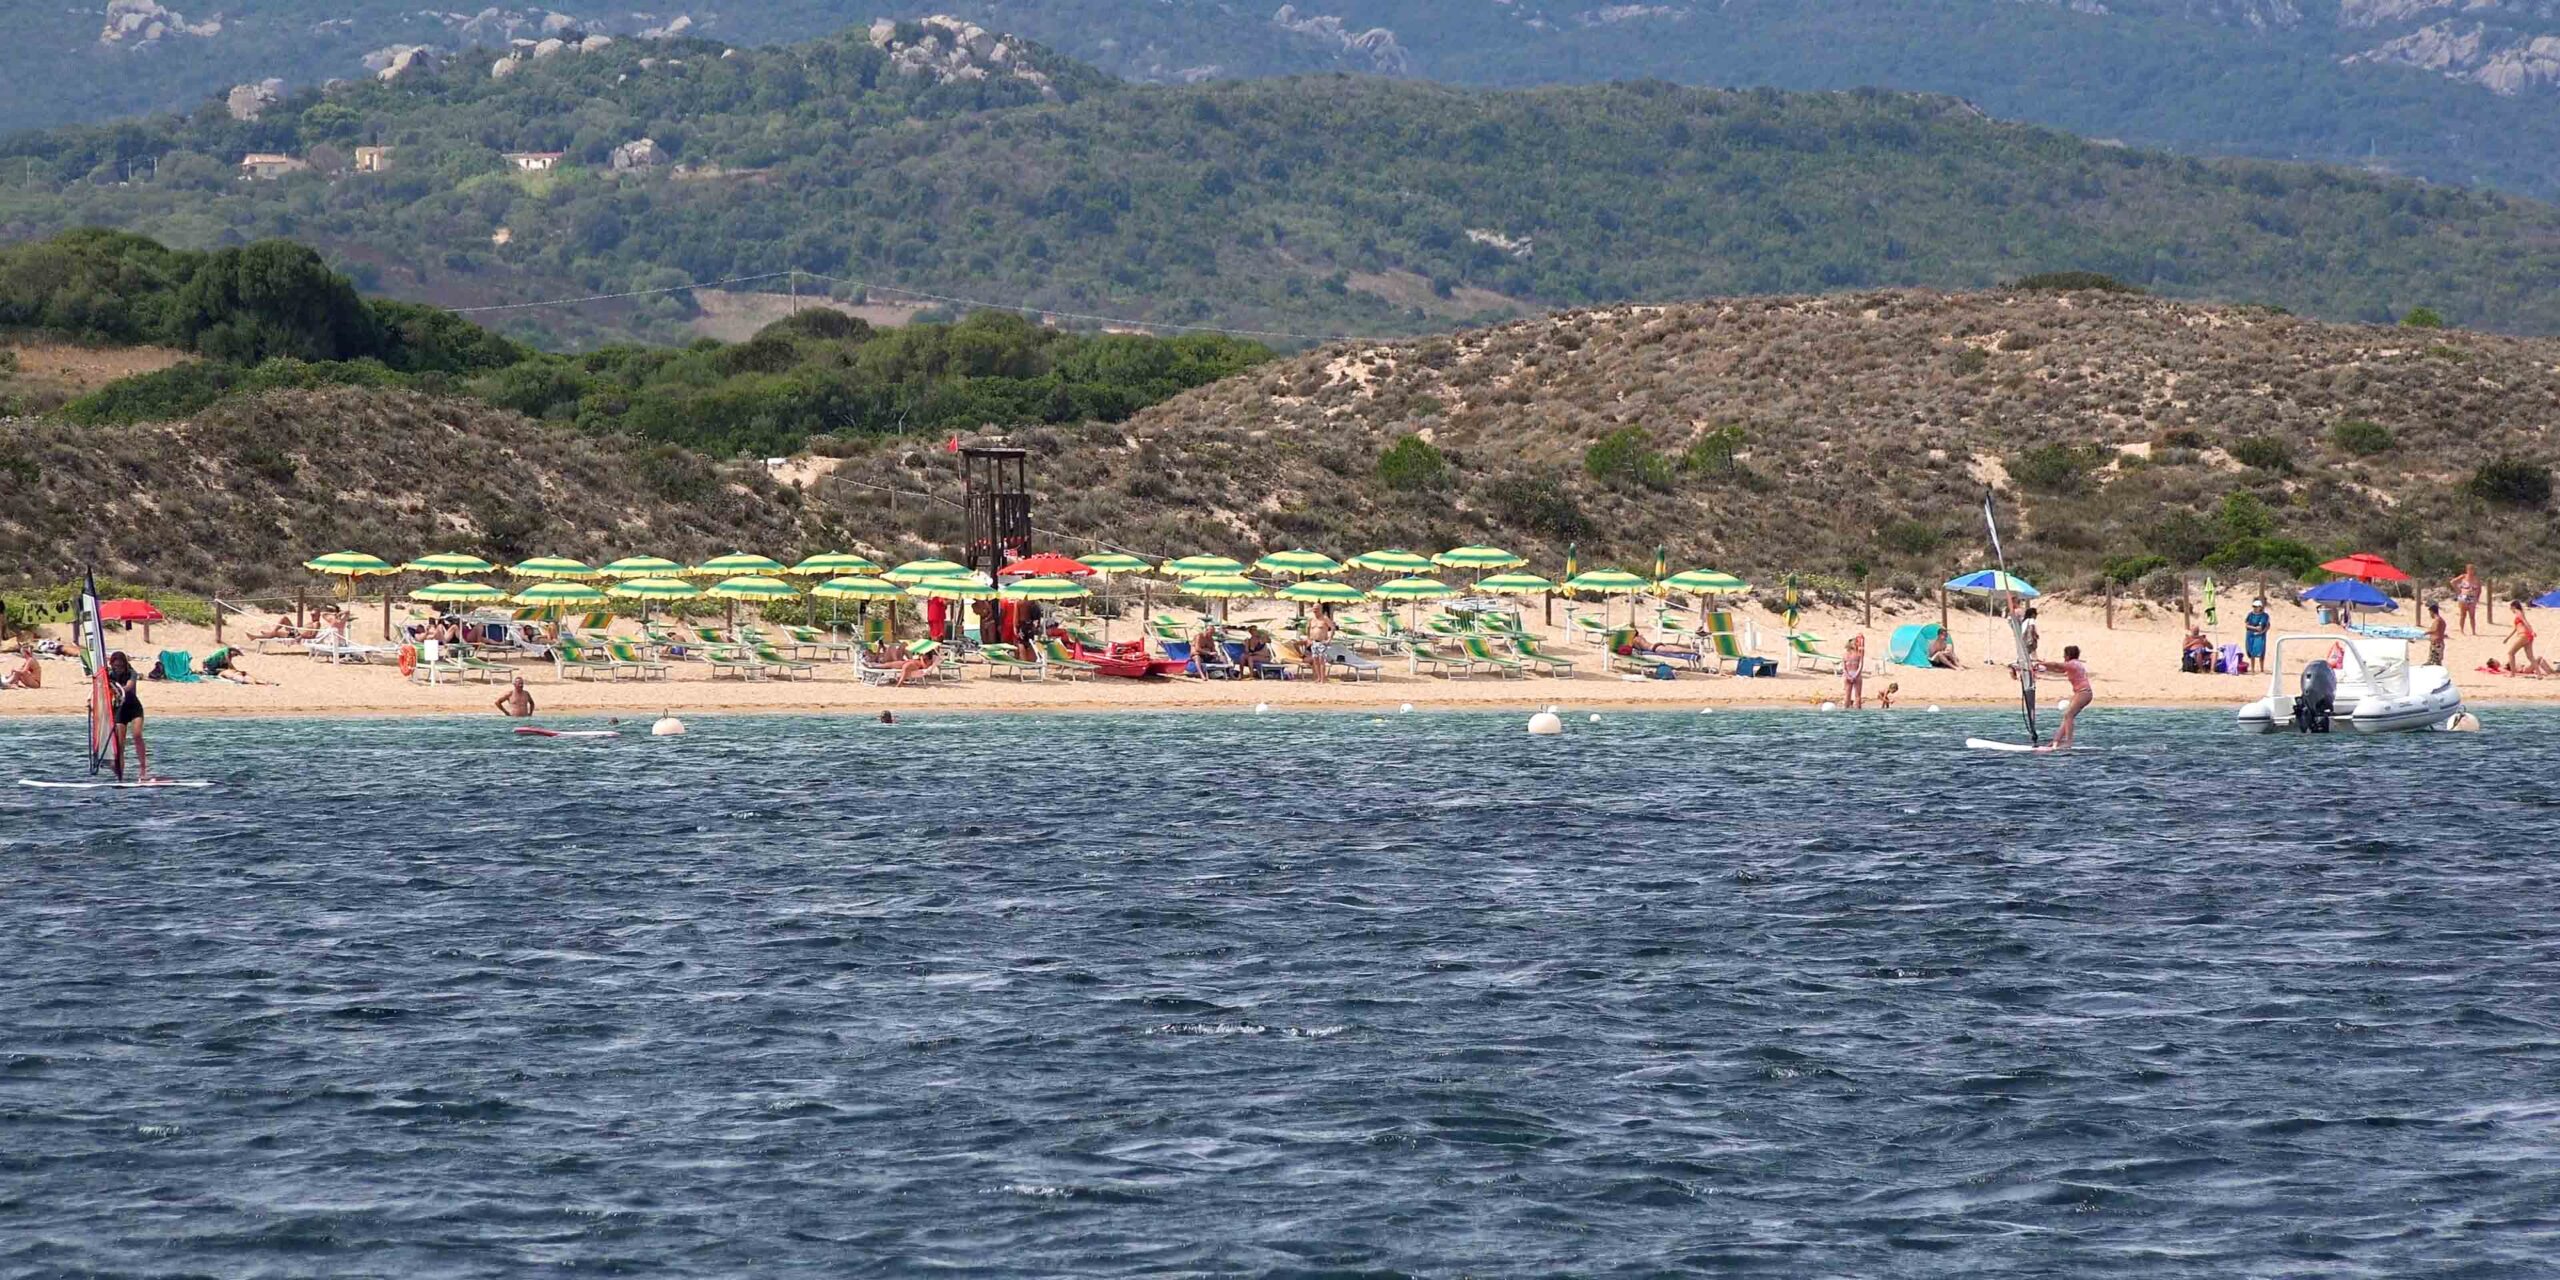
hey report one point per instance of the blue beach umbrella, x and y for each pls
(2349, 591)
(2547, 600)
(1991, 582)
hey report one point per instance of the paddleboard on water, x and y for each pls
(1986, 744)
(528, 731)
(153, 785)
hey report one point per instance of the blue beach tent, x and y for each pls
(2349, 591)
(2547, 600)
(1910, 643)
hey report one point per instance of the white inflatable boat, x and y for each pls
(2377, 690)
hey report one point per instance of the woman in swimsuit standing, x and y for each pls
(1853, 674)
(124, 693)
(2081, 696)
(2466, 599)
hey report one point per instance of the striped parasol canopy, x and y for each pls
(1706, 582)
(1299, 564)
(642, 567)
(952, 586)
(557, 594)
(1200, 566)
(1221, 586)
(752, 587)
(457, 592)
(1110, 562)
(1477, 558)
(1608, 582)
(654, 589)
(1412, 589)
(350, 565)
(1515, 584)
(856, 589)
(835, 564)
(1992, 582)
(741, 564)
(1401, 563)
(449, 563)
(1323, 591)
(553, 567)
(915, 571)
(1044, 589)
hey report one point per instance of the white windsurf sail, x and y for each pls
(2025, 662)
(102, 706)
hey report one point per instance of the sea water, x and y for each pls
(1782, 994)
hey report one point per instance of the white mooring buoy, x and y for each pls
(1545, 724)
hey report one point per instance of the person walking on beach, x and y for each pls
(124, 693)
(2435, 634)
(517, 701)
(2077, 673)
(1853, 674)
(2259, 622)
(2466, 599)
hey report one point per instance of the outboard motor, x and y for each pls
(2318, 704)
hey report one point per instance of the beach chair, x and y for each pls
(177, 666)
(710, 638)
(808, 640)
(946, 660)
(1055, 660)
(1347, 663)
(1592, 631)
(875, 630)
(1809, 656)
(626, 656)
(1480, 653)
(791, 668)
(1427, 659)
(1084, 639)
(1535, 656)
(734, 662)
(1725, 646)
(1003, 660)
(582, 661)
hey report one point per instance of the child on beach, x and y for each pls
(1884, 700)
(2072, 669)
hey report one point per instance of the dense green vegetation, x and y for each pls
(269, 316)
(1305, 207)
(2198, 77)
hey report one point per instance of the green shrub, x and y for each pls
(1912, 537)
(1713, 454)
(2361, 438)
(2513, 482)
(2073, 281)
(675, 473)
(2244, 515)
(2266, 453)
(2281, 554)
(2127, 570)
(61, 602)
(1412, 465)
(1969, 361)
(2056, 468)
(1538, 503)
(2423, 318)
(2180, 538)
(1624, 459)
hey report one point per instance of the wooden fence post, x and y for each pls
(2111, 604)
(1868, 595)
(1942, 608)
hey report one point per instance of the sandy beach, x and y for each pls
(2134, 665)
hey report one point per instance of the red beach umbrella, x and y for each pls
(2366, 567)
(130, 611)
(1048, 564)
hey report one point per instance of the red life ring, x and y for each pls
(408, 660)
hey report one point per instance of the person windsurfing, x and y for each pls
(2072, 669)
(2024, 664)
(124, 698)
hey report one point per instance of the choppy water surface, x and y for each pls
(1771, 994)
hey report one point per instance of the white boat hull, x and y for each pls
(2407, 699)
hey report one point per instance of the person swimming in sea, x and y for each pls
(2072, 669)
(124, 694)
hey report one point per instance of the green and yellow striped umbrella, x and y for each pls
(1298, 564)
(558, 594)
(1110, 562)
(856, 589)
(835, 564)
(915, 571)
(350, 565)
(552, 567)
(1607, 582)
(741, 564)
(951, 586)
(1221, 586)
(1412, 589)
(1706, 582)
(659, 589)
(642, 567)
(449, 563)
(1477, 558)
(751, 587)
(457, 592)
(1201, 566)
(1515, 584)
(1322, 591)
(1403, 564)
(1044, 589)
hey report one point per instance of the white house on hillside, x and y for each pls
(267, 164)
(535, 161)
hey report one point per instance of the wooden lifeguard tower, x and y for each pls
(996, 488)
